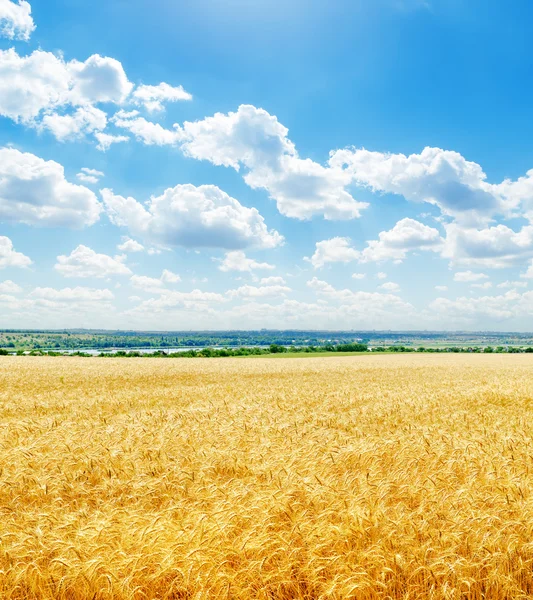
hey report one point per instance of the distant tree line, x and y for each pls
(275, 349)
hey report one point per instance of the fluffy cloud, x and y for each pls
(473, 310)
(170, 277)
(192, 216)
(469, 276)
(129, 245)
(511, 285)
(9, 257)
(151, 134)
(35, 192)
(337, 249)
(147, 284)
(169, 301)
(440, 177)
(407, 235)
(374, 307)
(85, 262)
(44, 82)
(482, 286)
(9, 287)
(77, 294)
(358, 276)
(493, 247)
(106, 140)
(85, 120)
(89, 175)
(253, 139)
(389, 286)
(152, 97)
(237, 261)
(15, 19)
(272, 281)
(266, 291)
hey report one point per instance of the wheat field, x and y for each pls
(349, 477)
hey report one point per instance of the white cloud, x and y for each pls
(44, 83)
(510, 285)
(89, 175)
(389, 286)
(237, 261)
(85, 120)
(250, 291)
(492, 247)
(473, 310)
(441, 288)
(77, 294)
(106, 140)
(85, 262)
(147, 284)
(9, 287)
(15, 20)
(443, 178)
(381, 275)
(482, 286)
(256, 140)
(152, 97)
(272, 281)
(359, 276)
(151, 134)
(192, 217)
(35, 192)
(469, 276)
(374, 306)
(9, 257)
(406, 236)
(98, 79)
(170, 277)
(337, 249)
(196, 301)
(129, 245)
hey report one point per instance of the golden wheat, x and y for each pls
(360, 477)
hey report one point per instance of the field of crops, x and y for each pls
(345, 477)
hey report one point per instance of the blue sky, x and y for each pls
(280, 164)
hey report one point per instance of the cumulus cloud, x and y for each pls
(129, 245)
(45, 83)
(193, 217)
(406, 236)
(153, 97)
(151, 134)
(359, 276)
(89, 175)
(77, 294)
(264, 291)
(15, 20)
(440, 177)
(389, 286)
(511, 285)
(9, 257)
(469, 276)
(85, 120)
(170, 277)
(492, 247)
(238, 261)
(106, 140)
(337, 249)
(9, 287)
(147, 284)
(482, 286)
(35, 192)
(272, 281)
(381, 275)
(85, 262)
(253, 140)
(473, 310)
